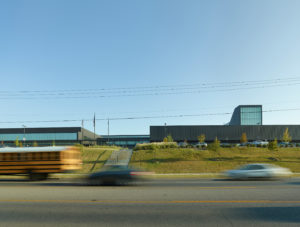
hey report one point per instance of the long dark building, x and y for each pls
(245, 119)
(225, 133)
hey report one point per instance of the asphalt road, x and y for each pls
(190, 202)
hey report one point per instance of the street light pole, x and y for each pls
(82, 126)
(108, 131)
(24, 139)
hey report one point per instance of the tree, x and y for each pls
(244, 138)
(215, 145)
(170, 139)
(273, 145)
(201, 138)
(17, 142)
(286, 136)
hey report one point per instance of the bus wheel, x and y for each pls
(37, 176)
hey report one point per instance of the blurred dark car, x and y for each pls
(116, 175)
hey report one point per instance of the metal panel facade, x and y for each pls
(225, 133)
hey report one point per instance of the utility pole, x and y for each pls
(24, 138)
(94, 122)
(107, 130)
(82, 126)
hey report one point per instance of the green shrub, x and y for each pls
(17, 142)
(153, 146)
(167, 139)
(273, 145)
(215, 145)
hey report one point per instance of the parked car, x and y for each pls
(226, 145)
(285, 144)
(201, 145)
(116, 175)
(183, 144)
(258, 170)
(260, 143)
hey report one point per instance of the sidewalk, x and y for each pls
(119, 157)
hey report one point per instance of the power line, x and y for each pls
(236, 83)
(145, 117)
(150, 90)
(275, 80)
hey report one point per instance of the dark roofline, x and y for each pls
(120, 136)
(41, 130)
(248, 106)
(222, 125)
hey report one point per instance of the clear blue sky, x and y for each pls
(55, 45)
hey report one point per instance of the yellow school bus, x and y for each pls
(39, 162)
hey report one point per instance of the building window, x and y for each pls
(251, 116)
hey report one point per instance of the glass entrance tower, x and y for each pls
(247, 115)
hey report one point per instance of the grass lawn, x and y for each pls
(190, 160)
(94, 157)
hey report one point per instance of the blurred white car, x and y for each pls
(183, 144)
(201, 144)
(260, 142)
(258, 171)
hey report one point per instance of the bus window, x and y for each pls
(36, 156)
(52, 156)
(29, 156)
(23, 156)
(45, 156)
(57, 156)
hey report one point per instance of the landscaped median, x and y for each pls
(167, 160)
(93, 158)
(192, 160)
